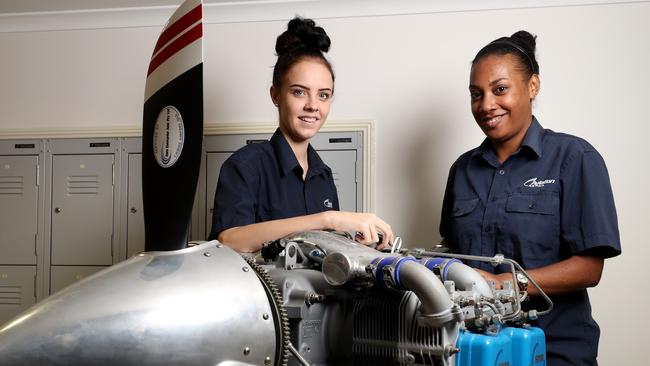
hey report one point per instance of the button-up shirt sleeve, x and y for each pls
(234, 202)
(589, 222)
(447, 206)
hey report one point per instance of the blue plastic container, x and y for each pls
(510, 347)
(484, 350)
(528, 346)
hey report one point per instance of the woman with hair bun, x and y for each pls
(269, 190)
(539, 197)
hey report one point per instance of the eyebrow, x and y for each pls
(304, 87)
(497, 80)
(491, 83)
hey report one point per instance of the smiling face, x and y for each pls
(501, 97)
(303, 99)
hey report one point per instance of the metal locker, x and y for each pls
(82, 209)
(18, 209)
(135, 217)
(343, 153)
(17, 290)
(214, 163)
(63, 276)
(344, 166)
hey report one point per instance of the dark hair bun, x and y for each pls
(302, 33)
(525, 40)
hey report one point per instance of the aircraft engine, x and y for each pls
(314, 298)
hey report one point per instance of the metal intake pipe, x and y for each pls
(463, 275)
(407, 274)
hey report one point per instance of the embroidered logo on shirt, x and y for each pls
(534, 183)
(327, 203)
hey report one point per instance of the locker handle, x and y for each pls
(134, 210)
(57, 210)
(339, 140)
(24, 146)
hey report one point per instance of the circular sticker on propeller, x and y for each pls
(168, 136)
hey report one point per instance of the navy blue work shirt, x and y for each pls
(550, 200)
(263, 181)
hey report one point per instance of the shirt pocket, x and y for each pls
(532, 226)
(537, 204)
(463, 207)
(466, 226)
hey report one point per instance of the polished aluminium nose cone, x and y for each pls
(202, 305)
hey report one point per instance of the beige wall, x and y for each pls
(408, 73)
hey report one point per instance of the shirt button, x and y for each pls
(502, 172)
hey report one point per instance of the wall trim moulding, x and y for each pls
(262, 10)
(365, 126)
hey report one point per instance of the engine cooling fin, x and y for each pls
(280, 315)
(386, 332)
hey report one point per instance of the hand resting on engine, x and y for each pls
(249, 238)
(574, 273)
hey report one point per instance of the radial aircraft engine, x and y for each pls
(312, 298)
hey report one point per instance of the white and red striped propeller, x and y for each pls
(172, 130)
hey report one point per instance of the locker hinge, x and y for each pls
(112, 255)
(38, 175)
(35, 288)
(356, 165)
(36, 245)
(113, 174)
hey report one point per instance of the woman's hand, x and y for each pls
(249, 238)
(572, 274)
(367, 225)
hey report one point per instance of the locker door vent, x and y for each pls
(12, 185)
(10, 295)
(82, 184)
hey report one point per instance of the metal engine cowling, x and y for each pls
(203, 305)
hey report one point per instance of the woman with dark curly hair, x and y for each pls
(539, 197)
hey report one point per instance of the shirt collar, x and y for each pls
(283, 153)
(287, 159)
(316, 164)
(532, 140)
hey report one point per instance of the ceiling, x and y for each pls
(52, 15)
(37, 6)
